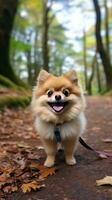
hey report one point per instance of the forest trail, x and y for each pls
(69, 183)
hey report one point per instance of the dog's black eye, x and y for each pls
(66, 92)
(49, 93)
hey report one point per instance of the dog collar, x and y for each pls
(57, 133)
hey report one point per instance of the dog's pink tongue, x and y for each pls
(57, 108)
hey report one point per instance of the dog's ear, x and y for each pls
(43, 76)
(72, 76)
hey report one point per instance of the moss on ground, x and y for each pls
(106, 93)
(14, 101)
(109, 93)
(7, 83)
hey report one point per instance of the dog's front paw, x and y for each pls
(49, 162)
(70, 160)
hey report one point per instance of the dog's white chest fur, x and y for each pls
(69, 129)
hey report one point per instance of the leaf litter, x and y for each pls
(20, 172)
(20, 163)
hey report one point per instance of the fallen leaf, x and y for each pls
(1, 194)
(26, 177)
(27, 187)
(46, 172)
(105, 181)
(108, 150)
(104, 154)
(23, 163)
(9, 189)
(101, 155)
(8, 181)
(108, 140)
(2, 181)
(23, 145)
(40, 147)
(37, 166)
(7, 171)
(33, 155)
(2, 178)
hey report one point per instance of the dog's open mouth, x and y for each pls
(58, 106)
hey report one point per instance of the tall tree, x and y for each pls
(100, 47)
(45, 23)
(48, 17)
(89, 84)
(8, 9)
(98, 75)
(107, 27)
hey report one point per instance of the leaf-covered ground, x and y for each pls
(20, 156)
(22, 175)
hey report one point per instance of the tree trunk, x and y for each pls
(98, 76)
(107, 28)
(8, 10)
(89, 86)
(100, 48)
(37, 57)
(45, 49)
(85, 60)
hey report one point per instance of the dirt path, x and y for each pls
(69, 183)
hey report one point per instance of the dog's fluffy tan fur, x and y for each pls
(70, 118)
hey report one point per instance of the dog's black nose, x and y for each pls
(58, 97)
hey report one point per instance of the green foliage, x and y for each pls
(27, 38)
(91, 41)
(19, 45)
(29, 20)
(14, 101)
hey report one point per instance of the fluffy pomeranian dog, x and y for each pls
(59, 101)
